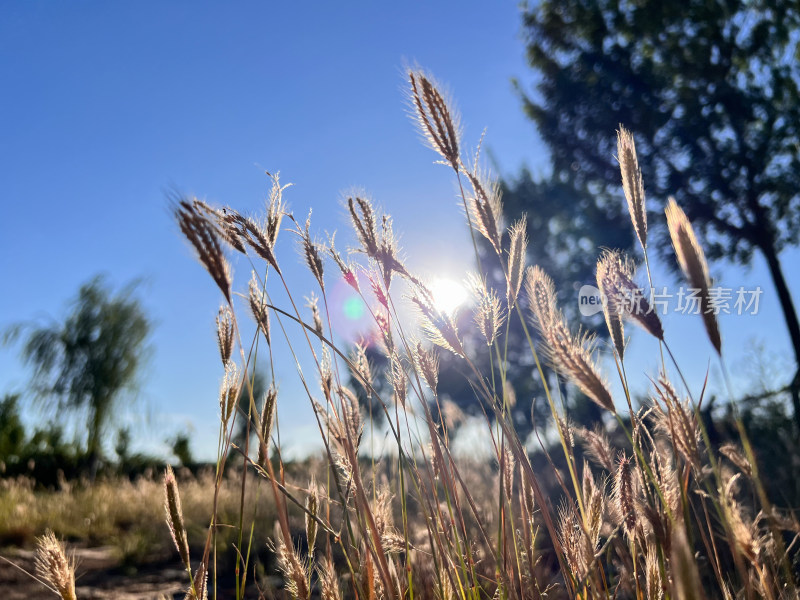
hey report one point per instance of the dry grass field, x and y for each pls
(659, 513)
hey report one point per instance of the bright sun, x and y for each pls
(448, 295)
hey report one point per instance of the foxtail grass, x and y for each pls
(651, 514)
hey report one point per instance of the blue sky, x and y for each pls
(109, 106)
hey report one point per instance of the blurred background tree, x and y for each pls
(709, 89)
(85, 363)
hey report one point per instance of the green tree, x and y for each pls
(709, 88)
(182, 449)
(12, 431)
(86, 363)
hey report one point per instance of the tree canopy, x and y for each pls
(709, 89)
(85, 362)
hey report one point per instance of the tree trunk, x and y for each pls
(790, 315)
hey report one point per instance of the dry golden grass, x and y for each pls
(657, 515)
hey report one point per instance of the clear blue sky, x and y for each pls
(108, 106)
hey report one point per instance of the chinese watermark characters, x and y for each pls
(684, 300)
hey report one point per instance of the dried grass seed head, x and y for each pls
(348, 272)
(623, 296)
(53, 565)
(573, 355)
(361, 369)
(693, 263)
(229, 392)
(296, 571)
(312, 252)
(734, 454)
(174, 513)
(597, 446)
(328, 580)
(574, 543)
(436, 118)
(229, 224)
(312, 303)
(258, 307)
(398, 378)
(439, 327)
(632, 183)
(518, 245)
(363, 218)
(624, 498)
(676, 420)
(613, 319)
(428, 364)
(199, 588)
(486, 208)
(203, 236)
(276, 209)
(267, 420)
(541, 295)
(224, 322)
(594, 501)
(350, 417)
(489, 314)
(258, 238)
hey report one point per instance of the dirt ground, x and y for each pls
(98, 576)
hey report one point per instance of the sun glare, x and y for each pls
(448, 295)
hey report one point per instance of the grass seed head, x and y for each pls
(541, 295)
(229, 392)
(440, 327)
(295, 570)
(312, 253)
(428, 364)
(437, 120)
(594, 501)
(632, 183)
(734, 454)
(258, 307)
(597, 446)
(652, 570)
(267, 419)
(328, 580)
(347, 269)
(624, 495)
(677, 421)
(199, 590)
(361, 369)
(574, 356)
(518, 245)
(312, 506)
(172, 507)
(693, 264)
(398, 378)
(363, 218)
(486, 208)
(312, 303)
(624, 297)
(257, 236)
(489, 314)
(203, 235)
(276, 209)
(225, 333)
(53, 566)
(508, 473)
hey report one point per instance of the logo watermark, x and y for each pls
(590, 300)
(683, 300)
